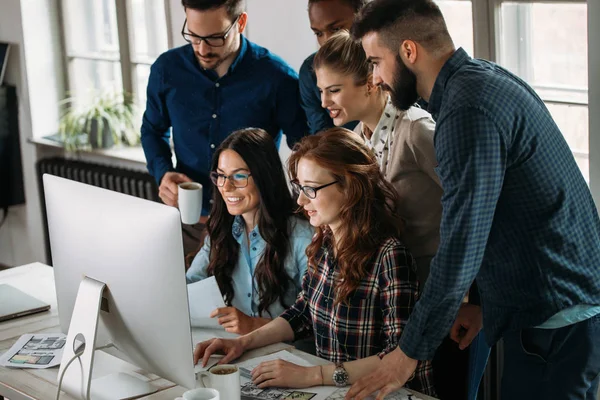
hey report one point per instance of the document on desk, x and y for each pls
(251, 392)
(204, 297)
(42, 350)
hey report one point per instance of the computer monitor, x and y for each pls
(134, 247)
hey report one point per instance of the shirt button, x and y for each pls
(212, 146)
(217, 84)
(254, 234)
(254, 249)
(214, 115)
(249, 295)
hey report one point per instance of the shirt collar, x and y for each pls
(457, 60)
(238, 227)
(241, 54)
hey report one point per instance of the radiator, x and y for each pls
(134, 183)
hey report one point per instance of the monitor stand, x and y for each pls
(77, 379)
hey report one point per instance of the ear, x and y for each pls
(242, 22)
(370, 85)
(408, 51)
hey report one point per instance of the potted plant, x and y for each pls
(105, 120)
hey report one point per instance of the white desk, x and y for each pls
(40, 384)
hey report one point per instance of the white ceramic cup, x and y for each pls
(228, 385)
(200, 394)
(189, 198)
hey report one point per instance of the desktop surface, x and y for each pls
(22, 384)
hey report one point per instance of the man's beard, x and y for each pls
(403, 91)
(214, 62)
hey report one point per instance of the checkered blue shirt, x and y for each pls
(517, 213)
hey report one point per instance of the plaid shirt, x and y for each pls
(372, 320)
(517, 213)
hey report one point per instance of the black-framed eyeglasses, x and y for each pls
(213, 41)
(239, 179)
(309, 191)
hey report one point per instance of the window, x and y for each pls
(546, 45)
(459, 20)
(110, 44)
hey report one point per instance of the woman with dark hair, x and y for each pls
(255, 246)
(361, 284)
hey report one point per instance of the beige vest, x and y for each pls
(410, 168)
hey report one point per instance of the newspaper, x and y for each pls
(37, 351)
(251, 392)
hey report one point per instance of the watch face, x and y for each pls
(340, 376)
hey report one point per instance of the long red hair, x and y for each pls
(368, 214)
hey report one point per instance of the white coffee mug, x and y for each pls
(200, 394)
(225, 378)
(189, 196)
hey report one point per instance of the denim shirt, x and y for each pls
(246, 296)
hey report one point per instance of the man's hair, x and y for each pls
(355, 4)
(233, 7)
(397, 20)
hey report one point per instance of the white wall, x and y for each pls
(594, 95)
(280, 26)
(283, 28)
(35, 69)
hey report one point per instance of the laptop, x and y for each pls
(14, 303)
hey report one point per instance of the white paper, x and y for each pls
(401, 394)
(204, 297)
(35, 351)
(251, 392)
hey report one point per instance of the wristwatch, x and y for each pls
(340, 375)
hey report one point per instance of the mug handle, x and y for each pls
(200, 378)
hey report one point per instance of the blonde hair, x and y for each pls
(344, 55)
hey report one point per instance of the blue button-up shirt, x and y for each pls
(517, 213)
(259, 90)
(246, 297)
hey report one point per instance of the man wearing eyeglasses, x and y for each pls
(218, 83)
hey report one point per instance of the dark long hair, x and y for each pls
(257, 149)
(368, 216)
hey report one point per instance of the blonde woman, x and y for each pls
(401, 140)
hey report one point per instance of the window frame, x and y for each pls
(127, 59)
(487, 35)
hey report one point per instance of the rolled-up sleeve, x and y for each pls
(472, 155)
(199, 268)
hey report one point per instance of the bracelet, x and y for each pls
(322, 379)
(412, 376)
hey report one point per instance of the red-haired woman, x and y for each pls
(361, 284)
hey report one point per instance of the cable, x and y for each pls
(60, 378)
(79, 353)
